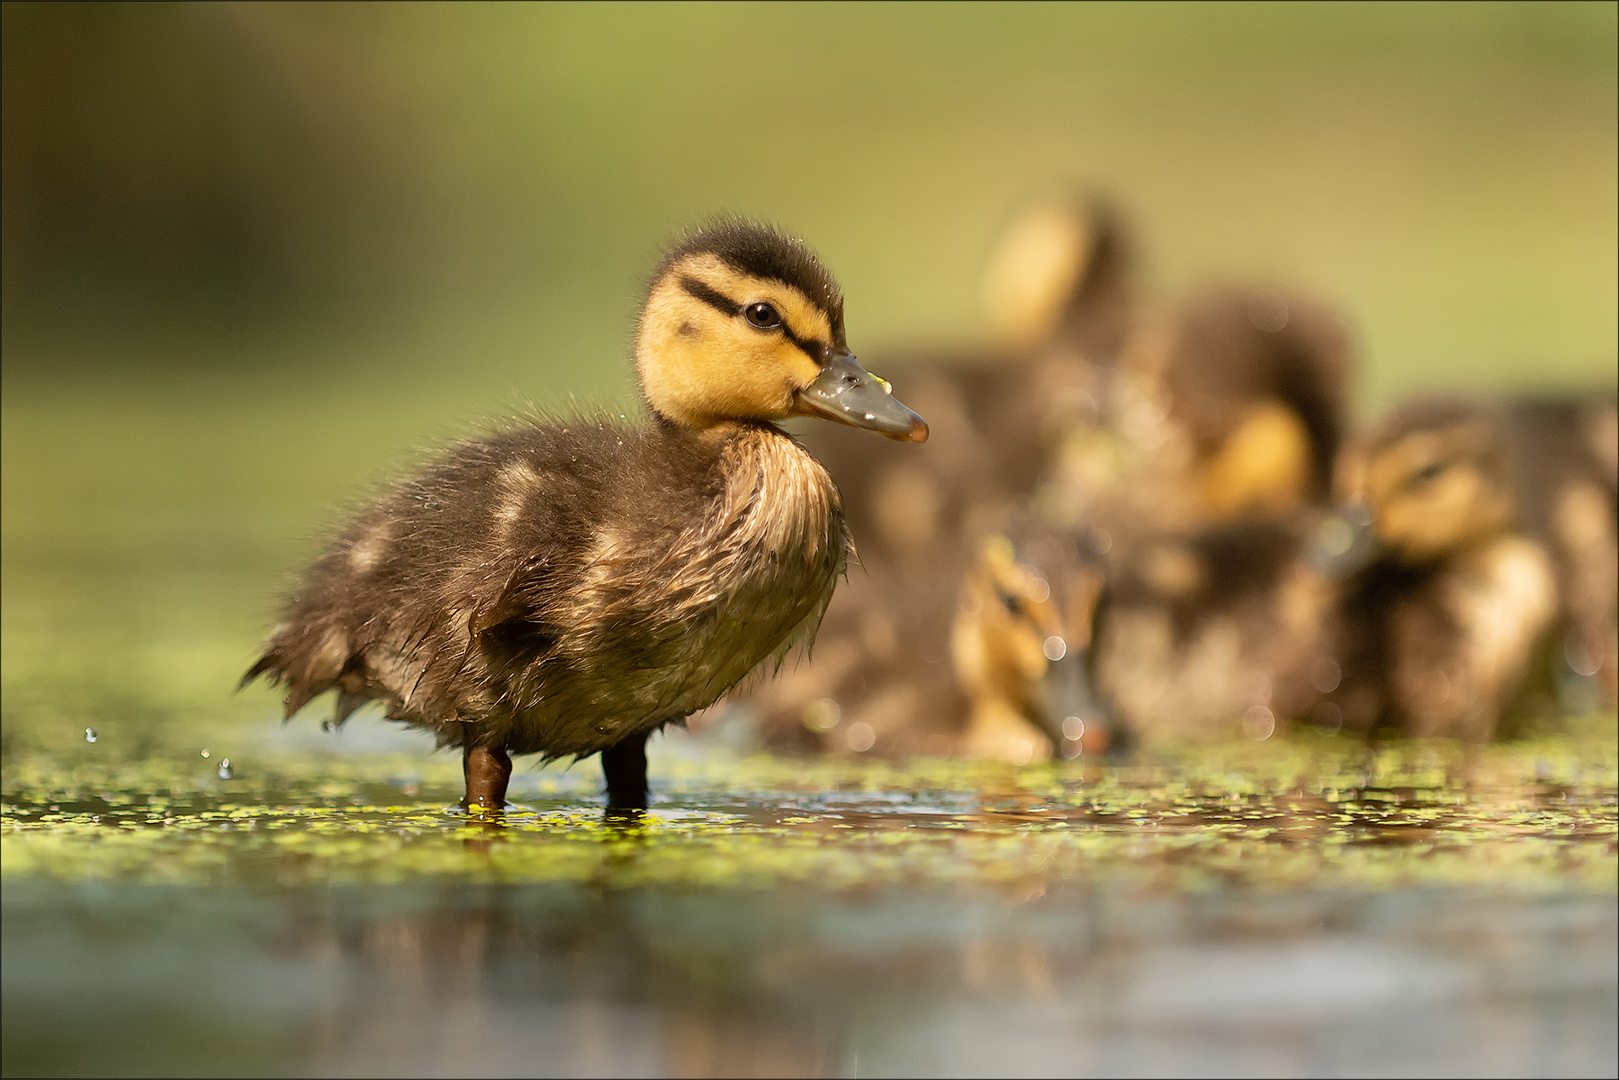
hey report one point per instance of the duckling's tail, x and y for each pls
(274, 666)
(264, 665)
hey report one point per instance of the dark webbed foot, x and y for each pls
(625, 768)
(487, 773)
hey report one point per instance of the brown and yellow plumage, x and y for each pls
(1484, 562)
(569, 587)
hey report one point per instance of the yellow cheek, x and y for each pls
(720, 373)
(1437, 519)
(1264, 465)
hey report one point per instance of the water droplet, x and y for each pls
(1073, 728)
(90, 734)
(1258, 723)
(861, 736)
(1335, 537)
(205, 752)
(1055, 648)
(1325, 674)
(225, 771)
(822, 715)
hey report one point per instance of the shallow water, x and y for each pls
(1305, 907)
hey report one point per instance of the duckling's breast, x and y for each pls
(1463, 643)
(676, 603)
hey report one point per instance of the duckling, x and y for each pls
(1162, 636)
(1228, 405)
(567, 588)
(1211, 632)
(1018, 641)
(1567, 456)
(1471, 534)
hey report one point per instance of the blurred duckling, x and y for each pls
(1190, 635)
(1471, 535)
(1018, 643)
(567, 588)
(1229, 405)
(1566, 455)
(1213, 632)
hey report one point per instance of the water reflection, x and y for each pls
(1265, 908)
(577, 980)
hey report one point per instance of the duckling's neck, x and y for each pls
(768, 487)
(714, 436)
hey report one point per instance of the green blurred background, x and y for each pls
(257, 255)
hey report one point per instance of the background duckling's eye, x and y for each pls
(1428, 472)
(762, 315)
(1011, 601)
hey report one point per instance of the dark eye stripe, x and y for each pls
(710, 296)
(815, 350)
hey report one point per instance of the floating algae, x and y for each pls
(1538, 814)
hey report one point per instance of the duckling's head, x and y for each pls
(1021, 631)
(1431, 480)
(1063, 262)
(742, 322)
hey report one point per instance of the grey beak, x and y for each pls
(849, 394)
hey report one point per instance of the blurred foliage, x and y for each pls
(482, 186)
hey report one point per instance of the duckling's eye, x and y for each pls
(1428, 472)
(1011, 601)
(762, 315)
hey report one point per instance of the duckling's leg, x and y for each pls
(487, 773)
(625, 767)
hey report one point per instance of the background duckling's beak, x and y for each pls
(1071, 696)
(1346, 543)
(849, 394)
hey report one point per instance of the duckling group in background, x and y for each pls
(567, 588)
(1100, 425)
(1480, 532)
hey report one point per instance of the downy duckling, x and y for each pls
(1018, 646)
(1567, 458)
(1228, 405)
(1213, 632)
(1470, 532)
(567, 588)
